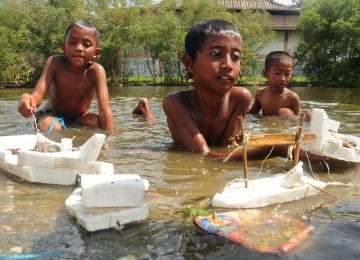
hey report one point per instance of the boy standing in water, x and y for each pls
(209, 114)
(72, 80)
(276, 99)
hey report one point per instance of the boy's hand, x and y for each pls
(27, 105)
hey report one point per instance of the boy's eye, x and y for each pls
(216, 53)
(235, 57)
(87, 44)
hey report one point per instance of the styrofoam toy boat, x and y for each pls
(18, 158)
(105, 202)
(328, 142)
(262, 192)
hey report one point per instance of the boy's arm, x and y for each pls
(105, 114)
(256, 106)
(28, 103)
(296, 104)
(182, 126)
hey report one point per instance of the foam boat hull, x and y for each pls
(264, 192)
(18, 158)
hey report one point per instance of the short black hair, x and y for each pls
(275, 56)
(202, 31)
(85, 24)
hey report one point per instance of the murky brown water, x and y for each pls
(33, 218)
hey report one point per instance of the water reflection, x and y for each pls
(33, 218)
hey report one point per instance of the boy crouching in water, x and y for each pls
(276, 99)
(72, 80)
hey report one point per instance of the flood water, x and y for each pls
(33, 219)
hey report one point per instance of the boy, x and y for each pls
(209, 114)
(72, 80)
(276, 99)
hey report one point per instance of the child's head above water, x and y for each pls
(201, 32)
(83, 24)
(276, 56)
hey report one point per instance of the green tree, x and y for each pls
(330, 50)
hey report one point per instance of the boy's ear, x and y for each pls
(188, 62)
(97, 53)
(265, 73)
(62, 46)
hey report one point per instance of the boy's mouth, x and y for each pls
(225, 77)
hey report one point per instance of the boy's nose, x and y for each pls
(227, 63)
(79, 47)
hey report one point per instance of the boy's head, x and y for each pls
(275, 57)
(202, 31)
(278, 69)
(81, 36)
(83, 24)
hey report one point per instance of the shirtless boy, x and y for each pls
(276, 99)
(208, 115)
(72, 80)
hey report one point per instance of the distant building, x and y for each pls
(284, 21)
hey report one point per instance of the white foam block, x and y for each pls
(103, 218)
(320, 128)
(119, 190)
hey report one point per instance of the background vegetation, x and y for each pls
(32, 30)
(330, 50)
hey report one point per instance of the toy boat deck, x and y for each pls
(18, 157)
(268, 191)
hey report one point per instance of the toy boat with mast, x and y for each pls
(294, 185)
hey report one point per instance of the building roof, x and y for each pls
(264, 5)
(267, 5)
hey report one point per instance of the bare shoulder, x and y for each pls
(96, 68)
(58, 61)
(260, 91)
(240, 92)
(178, 97)
(291, 93)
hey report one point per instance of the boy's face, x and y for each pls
(216, 67)
(80, 47)
(279, 74)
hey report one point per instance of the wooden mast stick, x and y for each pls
(244, 152)
(298, 137)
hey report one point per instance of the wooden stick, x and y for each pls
(321, 190)
(298, 137)
(245, 167)
(274, 139)
(244, 152)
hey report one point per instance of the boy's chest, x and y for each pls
(76, 84)
(213, 128)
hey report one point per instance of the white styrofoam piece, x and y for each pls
(112, 191)
(262, 192)
(25, 142)
(330, 143)
(51, 168)
(320, 128)
(103, 218)
(49, 160)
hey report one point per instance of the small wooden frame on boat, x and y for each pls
(242, 141)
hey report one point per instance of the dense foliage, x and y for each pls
(32, 30)
(330, 51)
